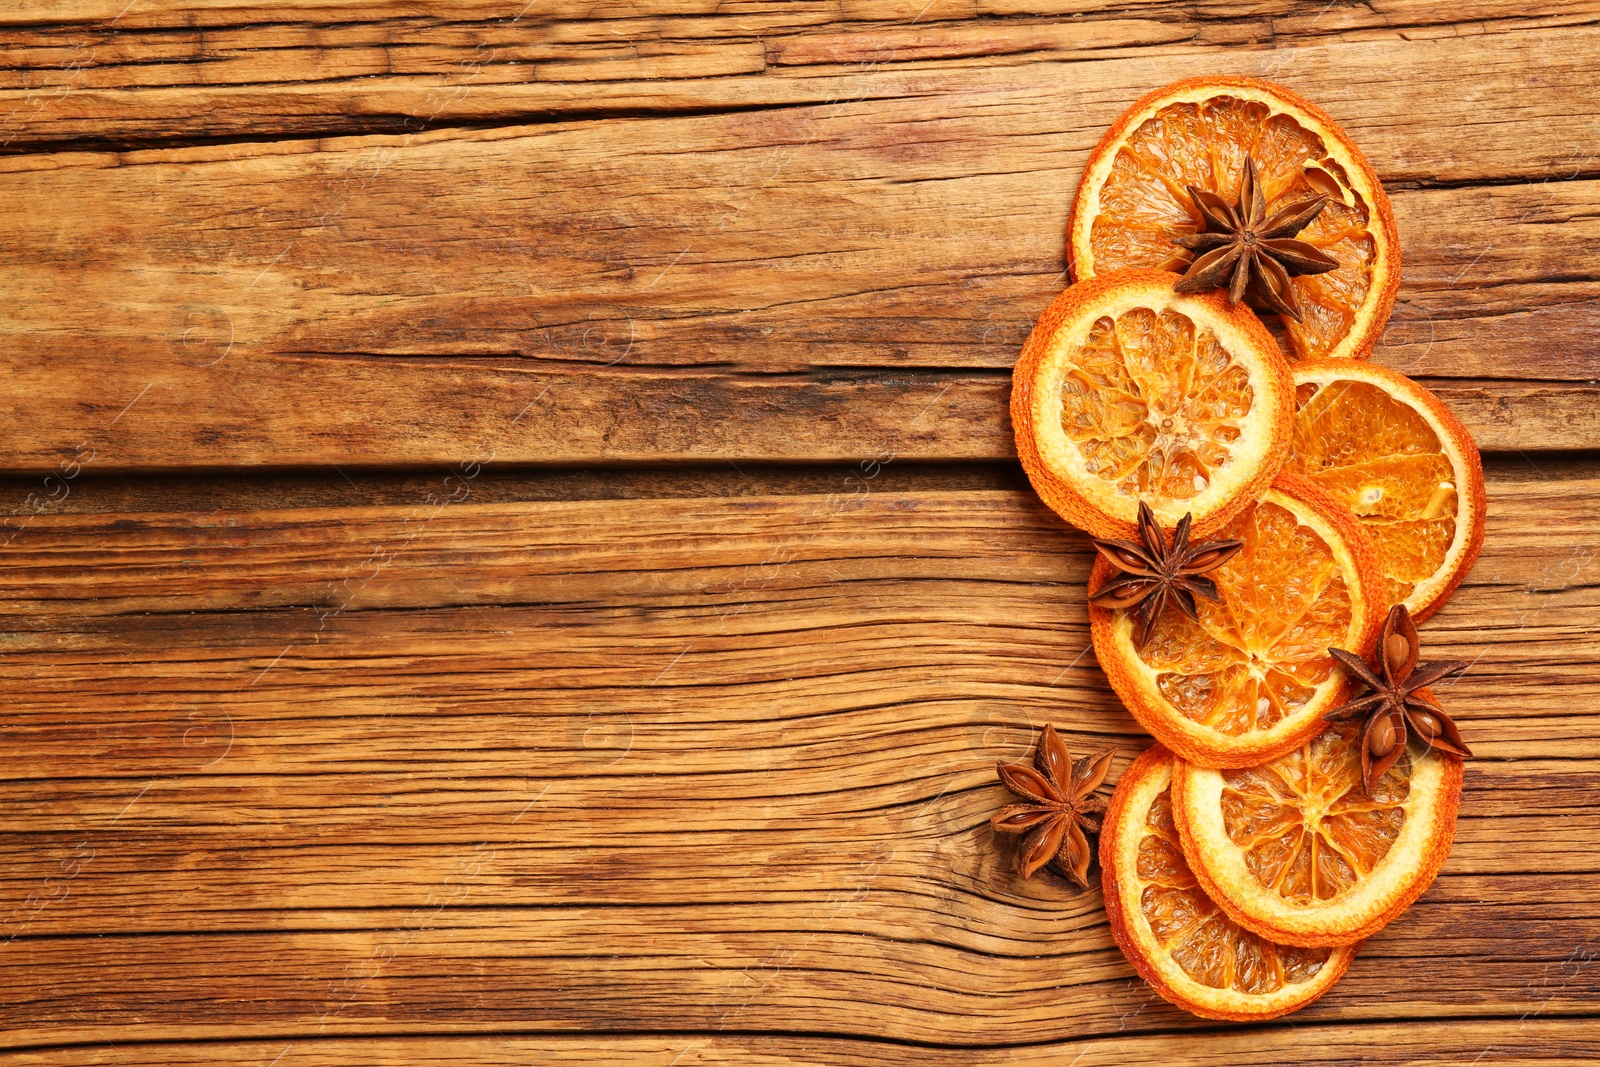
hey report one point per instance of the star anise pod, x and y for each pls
(1392, 705)
(1154, 574)
(1058, 806)
(1241, 248)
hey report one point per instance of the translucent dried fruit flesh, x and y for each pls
(1307, 828)
(1143, 203)
(1380, 458)
(1154, 405)
(1256, 656)
(1209, 946)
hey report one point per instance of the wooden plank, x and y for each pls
(601, 417)
(162, 74)
(741, 308)
(418, 769)
(1530, 1042)
(286, 558)
(236, 490)
(711, 19)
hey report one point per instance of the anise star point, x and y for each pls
(1240, 247)
(1059, 806)
(1392, 708)
(1155, 573)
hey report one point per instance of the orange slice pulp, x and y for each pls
(1127, 391)
(1391, 453)
(1133, 201)
(1295, 849)
(1251, 680)
(1174, 935)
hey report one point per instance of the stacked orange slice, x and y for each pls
(1298, 850)
(1189, 950)
(1131, 202)
(1245, 857)
(1393, 455)
(1252, 678)
(1127, 391)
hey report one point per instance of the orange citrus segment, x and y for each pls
(1134, 379)
(1307, 829)
(1133, 199)
(1127, 391)
(1251, 679)
(1391, 453)
(1176, 938)
(1296, 850)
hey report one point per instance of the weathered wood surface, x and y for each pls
(1539, 1043)
(335, 734)
(690, 766)
(1532, 1042)
(136, 72)
(796, 282)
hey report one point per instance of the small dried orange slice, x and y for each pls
(1128, 391)
(1133, 199)
(1176, 938)
(1251, 680)
(1296, 851)
(1394, 455)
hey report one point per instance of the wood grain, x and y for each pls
(510, 551)
(739, 749)
(793, 284)
(1531, 1042)
(163, 73)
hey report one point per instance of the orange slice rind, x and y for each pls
(1132, 200)
(1127, 391)
(1392, 454)
(1252, 679)
(1179, 941)
(1296, 851)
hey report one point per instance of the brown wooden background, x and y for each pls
(512, 551)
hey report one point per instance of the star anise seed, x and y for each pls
(1059, 806)
(1240, 247)
(1393, 705)
(1154, 575)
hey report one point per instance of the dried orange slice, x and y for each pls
(1133, 199)
(1176, 938)
(1251, 680)
(1128, 391)
(1391, 452)
(1296, 851)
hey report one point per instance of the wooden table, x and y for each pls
(514, 553)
